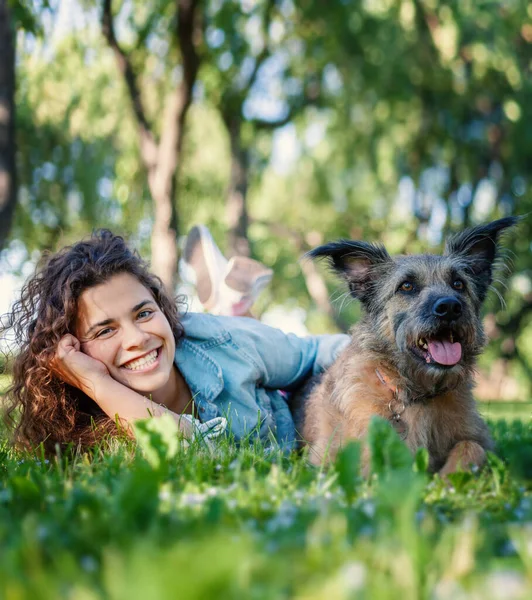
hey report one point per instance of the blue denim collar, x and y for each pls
(201, 372)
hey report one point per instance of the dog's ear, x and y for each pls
(360, 263)
(479, 248)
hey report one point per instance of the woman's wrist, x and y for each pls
(117, 400)
(96, 385)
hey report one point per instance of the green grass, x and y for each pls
(509, 411)
(166, 521)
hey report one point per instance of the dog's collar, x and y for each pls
(385, 380)
(395, 406)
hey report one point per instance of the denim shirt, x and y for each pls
(235, 367)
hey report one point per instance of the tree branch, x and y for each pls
(188, 32)
(265, 52)
(310, 97)
(8, 170)
(269, 125)
(179, 102)
(148, 145)
(314, 281)
(294, 110)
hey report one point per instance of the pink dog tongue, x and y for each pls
(444, 352)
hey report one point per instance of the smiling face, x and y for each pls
(120, 324)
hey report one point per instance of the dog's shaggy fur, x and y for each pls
(414, 307)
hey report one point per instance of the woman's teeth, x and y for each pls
(142, 362)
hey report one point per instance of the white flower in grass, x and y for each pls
(449, 590)
(192, 500)
(285, 517)
(506, 585)
(165, 494)
(354, 575)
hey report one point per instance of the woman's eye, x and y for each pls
(407, 286)
(458, 284)
(103, 332)
(144, 314)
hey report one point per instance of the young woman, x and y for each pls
(102, 343)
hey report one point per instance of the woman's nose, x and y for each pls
(134, 336)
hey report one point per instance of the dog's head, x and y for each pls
(422, 312)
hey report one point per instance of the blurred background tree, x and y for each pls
(8, 181)
(279, 124)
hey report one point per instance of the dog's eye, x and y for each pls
(407, 286)
(458, 284)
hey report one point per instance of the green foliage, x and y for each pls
(158, 439)
(245, 523)
(387, 451)
(348, 468)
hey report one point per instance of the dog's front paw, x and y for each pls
(462, 457)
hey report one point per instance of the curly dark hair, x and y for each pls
(40, 407)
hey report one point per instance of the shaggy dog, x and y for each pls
(412, 356)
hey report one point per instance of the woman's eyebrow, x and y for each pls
(100, 324)
(141, 304)
(109, 321)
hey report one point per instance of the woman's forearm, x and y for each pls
(117, 400)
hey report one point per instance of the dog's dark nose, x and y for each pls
(447, 308)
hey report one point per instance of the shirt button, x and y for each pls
(202, 409)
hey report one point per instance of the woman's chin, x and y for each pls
(145, 383)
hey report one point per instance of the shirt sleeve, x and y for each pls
(286, 360)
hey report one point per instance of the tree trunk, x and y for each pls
(162, 159)
(163, 187)
(8, 180)
(164, 182)
(236, 207)
(318, 291)
(316, 286)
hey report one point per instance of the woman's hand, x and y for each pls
(76, 368)
(114, 398)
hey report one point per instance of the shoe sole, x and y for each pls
(247, 276)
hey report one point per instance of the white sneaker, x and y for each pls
(247, 278)
(224, 287)
(209, 265)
